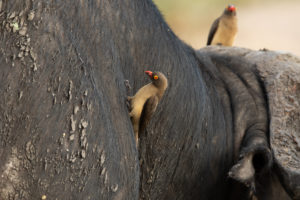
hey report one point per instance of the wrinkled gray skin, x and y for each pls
(65, 131)
(280, 74)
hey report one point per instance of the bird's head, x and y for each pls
(230, 10)
(157, 78)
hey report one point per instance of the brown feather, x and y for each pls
(147, 112)
(212, 31)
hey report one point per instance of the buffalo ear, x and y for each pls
(244, 171)
(253, 163)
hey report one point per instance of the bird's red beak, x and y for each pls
(231, 8)
(149, 73)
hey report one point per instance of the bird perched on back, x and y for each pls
(224, 28)
(144, 102)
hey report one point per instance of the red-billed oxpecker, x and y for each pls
(224, 28)
(144, 102)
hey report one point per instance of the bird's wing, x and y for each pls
(147, 112)
(213, 30)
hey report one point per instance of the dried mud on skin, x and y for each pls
(280, 73)
(49, 133)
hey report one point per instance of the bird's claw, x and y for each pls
(128, 102)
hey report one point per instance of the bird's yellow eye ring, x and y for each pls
(155, 77)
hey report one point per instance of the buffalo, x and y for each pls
(66, 71)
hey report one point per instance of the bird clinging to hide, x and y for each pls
(144, 102)
(224, 28)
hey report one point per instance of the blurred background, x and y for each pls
(270, 24)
